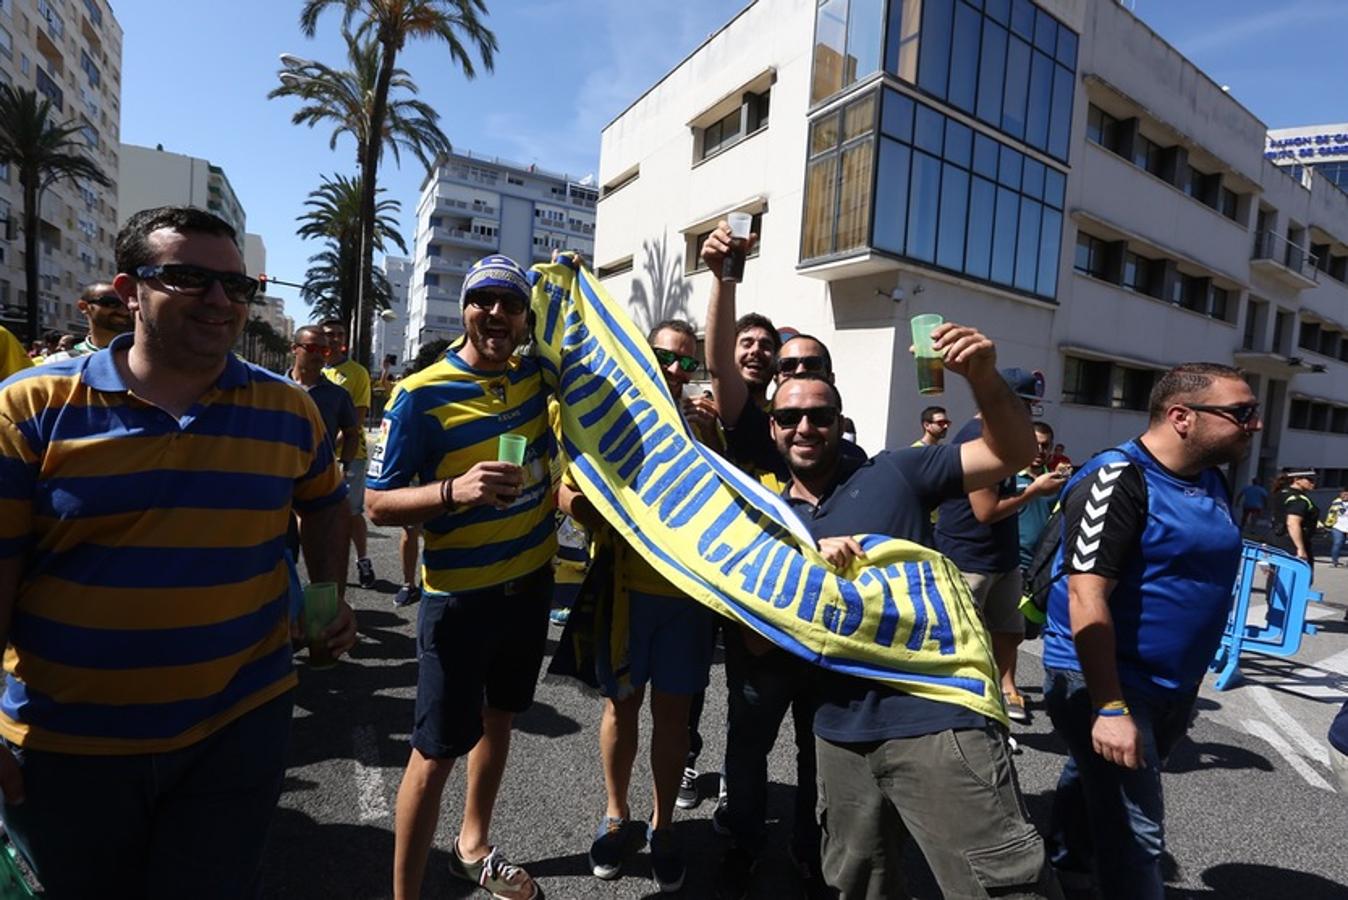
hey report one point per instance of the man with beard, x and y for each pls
(1143, 586)
(482, 624)
(107, 315)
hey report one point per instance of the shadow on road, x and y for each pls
(1191, 756)
(1252, 881)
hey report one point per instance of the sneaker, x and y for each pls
(667, 868)
(1015, 706)
(736, 875)
(494, 873)
(719, 823)
(407, 595)
(1012, 746)
(365, 573)
(614, 841)
(688, 796)
(560, 615)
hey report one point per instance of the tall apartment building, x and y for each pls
(71, 52)
(1054, 173)
(472, 206)
(390, 335)
(153, 176)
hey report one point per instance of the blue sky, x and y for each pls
(195, 75)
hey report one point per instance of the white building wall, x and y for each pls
(150, 177)
(1122, 67)
(390, 337)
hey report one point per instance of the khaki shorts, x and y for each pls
(997, 596)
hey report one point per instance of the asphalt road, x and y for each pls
(1252, 808)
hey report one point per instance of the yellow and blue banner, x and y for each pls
(903, 618)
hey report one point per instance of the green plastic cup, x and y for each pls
(511, 447)
(930, 365)
(320, 611)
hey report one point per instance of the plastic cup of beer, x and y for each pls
(510, 448)
(320, 611)
(732, 269)
(930, 364)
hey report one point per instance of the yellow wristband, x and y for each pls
(1115, 704)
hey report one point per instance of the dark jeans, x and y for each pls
(953, 792)
(1335, 544)
(695, 729)
(187, 823)
(761, 688)
(1105, 816)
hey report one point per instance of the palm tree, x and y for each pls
(333, 214)
(391, 23)
(329, 275)
(42, 152)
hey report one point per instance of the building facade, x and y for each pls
(472, 206)
(1053, 173)
(390, 334)
(71, 52)
(1323, 148)
(153, 176)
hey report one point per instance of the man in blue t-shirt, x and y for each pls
(1253, 498)
(892, 764)
(1149, 555)
(979, 534)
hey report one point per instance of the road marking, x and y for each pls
(371, 798)
(1290, 727)
(1265, 732)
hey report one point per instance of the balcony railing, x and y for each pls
(477, 209)
(1277, 249)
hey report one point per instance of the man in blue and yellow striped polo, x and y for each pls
(145, 491)
(486, 568)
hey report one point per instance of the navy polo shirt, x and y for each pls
(892, 494)
(969, 544)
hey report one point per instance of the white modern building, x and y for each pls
(1323, 148)
(390, 334)
(153, 176)
(71, 53)
(1054, 173)
(472, 206)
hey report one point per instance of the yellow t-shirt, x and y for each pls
(353, 377)
(12, 357)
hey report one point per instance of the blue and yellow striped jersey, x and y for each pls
(152, 602)
(441, 422)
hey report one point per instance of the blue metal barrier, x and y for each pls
(1287, 592)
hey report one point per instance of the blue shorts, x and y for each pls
(671, 642)
(476, 649)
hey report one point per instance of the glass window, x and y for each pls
(854, 209)
(923, 201)
(1008, 173)
(930, 125)
(859, 118)
(1133, 388)
(1022, 18)
(1060, 120)
(985, 156)
(954, 205)
(865, 31)
(905, 17)
(964, 58)
(1050, 238)
(897, 118)
(933, 61)
(1067, 48)
(982, 208)
(824, 134)
(1017, 88)
(1040, 95)
(991, 72)
(1027, 244)
(1045, 32)
(959, 140)
(1055, 187)
(830, 42)
(1004, 236)
(1230, 203)
(1085, 381)
(891, 195)
(820, 207)
(1221, 303)
(1032, 185)
(1000, 10)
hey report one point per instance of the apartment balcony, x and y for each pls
(1285, 262)
(451, 266)
(451, 205)
(468, 238)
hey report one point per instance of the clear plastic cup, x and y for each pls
(320, 611)
(510, 448)
(732, 268)
(930, 365)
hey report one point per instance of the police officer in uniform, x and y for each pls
(1299, 515)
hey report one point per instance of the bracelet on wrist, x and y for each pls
(1113, 709)
(447, 494)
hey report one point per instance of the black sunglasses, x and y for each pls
(182, 278)
(107, 301)
(789, 364)
(819, 416)
(514, 304)
(666, 357)
(1240, 413)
